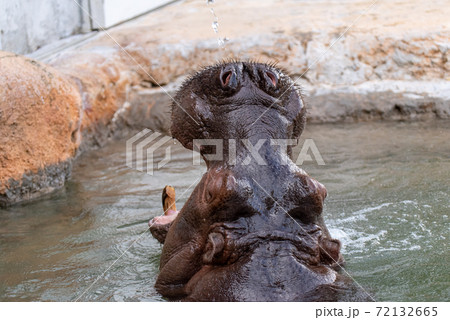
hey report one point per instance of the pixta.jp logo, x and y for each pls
(141, 149)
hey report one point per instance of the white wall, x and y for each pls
(117, 11)
(26, 25)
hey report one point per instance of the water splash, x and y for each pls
(215, 25)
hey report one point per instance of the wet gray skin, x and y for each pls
(252, 230)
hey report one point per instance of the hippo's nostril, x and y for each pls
(226, 78)
(273, 79)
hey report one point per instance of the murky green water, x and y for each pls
(388, 202)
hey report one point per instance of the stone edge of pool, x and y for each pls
(79, 98)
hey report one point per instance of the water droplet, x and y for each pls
(215, 26)
(222, 41)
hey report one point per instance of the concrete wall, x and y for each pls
(27, 25)
(116, 11)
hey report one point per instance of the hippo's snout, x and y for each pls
(232, 75)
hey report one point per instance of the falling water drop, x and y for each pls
(215, 26)
(222, 41)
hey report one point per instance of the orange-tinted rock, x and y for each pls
(48, 114)
(39, 128)
(103, 76)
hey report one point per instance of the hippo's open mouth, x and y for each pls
(164, 220)
(159, 226)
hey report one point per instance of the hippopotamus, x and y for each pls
(252, 229)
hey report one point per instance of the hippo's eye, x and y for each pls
(271, 78)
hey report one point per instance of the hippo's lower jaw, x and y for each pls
(159, 226)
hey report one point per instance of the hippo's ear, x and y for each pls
(214, 246)
(330, 252)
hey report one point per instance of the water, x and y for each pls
(388, 202)
(215, 25)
